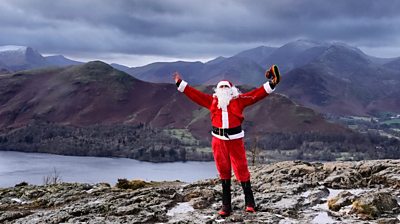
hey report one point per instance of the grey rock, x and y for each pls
(343, 199)
(388, 221)
(374, 204)
(285, 192)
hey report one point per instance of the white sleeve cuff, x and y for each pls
(267, 88)
(182, 86)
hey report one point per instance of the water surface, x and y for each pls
(16, 167)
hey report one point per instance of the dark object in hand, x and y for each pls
(274, 75)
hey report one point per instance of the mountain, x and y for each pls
(96, 93)
(3, 69)
(258, 54)
(323, 76)
(235, 69)
(60, 60)
(246, 67)
(120, 67)
(161, 72)
(93, 109)
(394, 64)
(295, 54)
(17, 58)
(343, 80)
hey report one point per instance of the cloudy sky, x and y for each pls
(139, 32)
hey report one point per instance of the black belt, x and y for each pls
(226, 131)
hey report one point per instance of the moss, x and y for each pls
(332, 204)
(131, 184)
(366, 209)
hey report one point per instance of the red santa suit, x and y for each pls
(227, 141)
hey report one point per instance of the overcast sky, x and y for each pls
(139, 32)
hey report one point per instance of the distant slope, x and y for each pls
(394, 64)
(328, 77)
(258, 54)
(60, 60)
(161, 72)
(95, 93)
(17, 58)
(120, 67)
(95, 110)
(343, 80)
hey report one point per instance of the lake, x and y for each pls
(16, 167)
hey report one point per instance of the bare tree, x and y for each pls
(52, 178)
(255, 151)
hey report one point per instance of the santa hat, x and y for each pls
(224, 83)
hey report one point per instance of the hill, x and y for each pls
(69, 110)
(17, 58)
(319, 75)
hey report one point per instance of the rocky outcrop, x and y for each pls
(287, 192)
(375, 204)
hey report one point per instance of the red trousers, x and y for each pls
(230, 154)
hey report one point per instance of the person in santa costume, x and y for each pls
(226, 107)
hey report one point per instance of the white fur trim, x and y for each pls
(268, 88)
(223, 83)
(182, 86)
(225, 121)
(231, 137)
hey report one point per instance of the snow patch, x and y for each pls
(335, 192)
(183, 207)
(98, 201)
(286, 203)
(287, 221)
(306, 194)
(323, 218)
(13, 48)
(16, 200)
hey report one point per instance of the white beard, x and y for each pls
(224, 97)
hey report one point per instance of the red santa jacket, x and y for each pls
(231, 118)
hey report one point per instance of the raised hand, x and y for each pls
(176, 76)
(273, 74)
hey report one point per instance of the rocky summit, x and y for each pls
(285, 192)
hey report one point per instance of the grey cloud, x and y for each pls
(179, 28)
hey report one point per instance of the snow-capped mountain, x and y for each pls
(15, 58)
(20, 57)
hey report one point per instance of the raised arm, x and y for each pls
(267, 88)
(195, 95)
(255, 95)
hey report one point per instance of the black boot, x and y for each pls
(226, 198)
(248, 197)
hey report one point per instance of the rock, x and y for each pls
(388, 221)
(133, 184)
(347, 179)
(374, 204)
(200, 203)
(127, 210)
(316, 196)
(343, 199)
(22, 184)
(235, 218)
(285, 192)
(330, 167)
(13, 215)
(301, 170)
